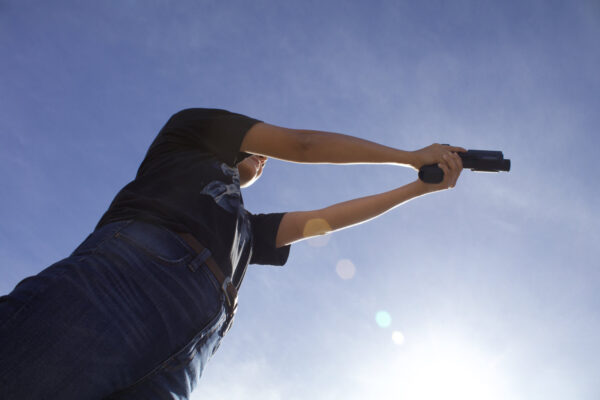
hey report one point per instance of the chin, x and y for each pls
(247, 183)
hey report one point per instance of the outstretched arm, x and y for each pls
(306, 146)
(301, 225)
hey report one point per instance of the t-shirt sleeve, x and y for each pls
(264, 230)
(217, 132)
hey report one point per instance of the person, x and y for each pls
(137, 310)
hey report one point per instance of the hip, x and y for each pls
(123, 304)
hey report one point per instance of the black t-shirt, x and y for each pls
(189, 182)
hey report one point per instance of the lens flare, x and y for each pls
(316, 230)
(383, 319)
(319, 241)
(398, 338)
(345, 269)
(316, 226)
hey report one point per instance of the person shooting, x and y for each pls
(140, 306)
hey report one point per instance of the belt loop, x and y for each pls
(228, 289)
(199, 260)
(230, 294)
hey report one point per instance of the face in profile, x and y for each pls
(250, 169)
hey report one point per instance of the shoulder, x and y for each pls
(199, 113)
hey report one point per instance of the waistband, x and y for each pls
(162, 241)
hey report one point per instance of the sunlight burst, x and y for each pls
(398, 337)
(450, 372)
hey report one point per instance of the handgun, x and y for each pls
(475, 160)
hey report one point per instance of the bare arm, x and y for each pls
(306, 146)
(300, 225)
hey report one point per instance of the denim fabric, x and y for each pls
(129, 315)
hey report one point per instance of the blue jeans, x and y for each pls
(132, 314)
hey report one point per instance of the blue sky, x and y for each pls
(492, 287)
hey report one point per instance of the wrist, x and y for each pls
(406, 158)
(422, 188)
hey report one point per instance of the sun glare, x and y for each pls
(398, 337)
(449, 373)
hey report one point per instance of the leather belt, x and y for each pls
(227, 287)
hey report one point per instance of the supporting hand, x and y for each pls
(432, 154)
(452, 166)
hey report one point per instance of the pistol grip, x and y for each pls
(431, 174)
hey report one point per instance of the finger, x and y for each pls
(446, 170)
(448, 158)
(454, 167)
(456, 161)
(457, 149)
(456, 178)
(458, 170)
(460, 162)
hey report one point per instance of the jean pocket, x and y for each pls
(96, 239)
(169, 252)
